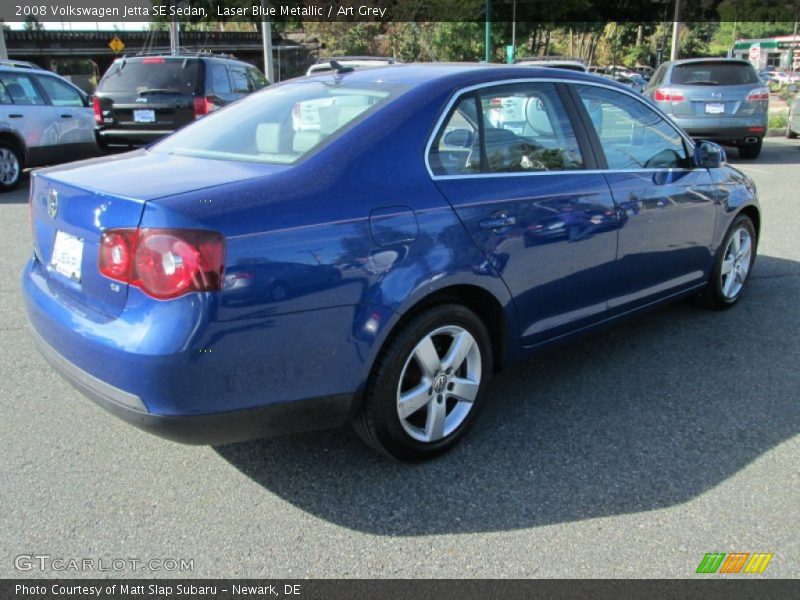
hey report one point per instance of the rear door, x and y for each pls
(520, 178)
(667, 207)
(150, 94)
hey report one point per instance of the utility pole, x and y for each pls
(514, 26)
(676, 26)
(266, 43)
(488, 32)
(174, 37)
(3, 51)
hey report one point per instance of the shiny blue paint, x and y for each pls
(324, 257)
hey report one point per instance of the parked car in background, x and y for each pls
(632, 80)
(141, 99)
(793, 123)
(553, 63)
(645, 71)
(44, 119)
(323, 65)
(781, 77)
(451, 220)
(714, 98)
(82, 72)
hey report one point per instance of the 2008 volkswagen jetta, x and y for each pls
(370, 246)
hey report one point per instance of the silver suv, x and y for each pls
(714, 98)
(44, 119)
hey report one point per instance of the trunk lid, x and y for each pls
(72, 205)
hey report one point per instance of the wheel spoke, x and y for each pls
(744, 250)
(414, 399)
(464, 389)
(727, 265)
(728, 286)
(434, 424)
(426, 356)
(736, 242)
(459, 349)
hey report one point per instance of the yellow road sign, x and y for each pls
(116, 45)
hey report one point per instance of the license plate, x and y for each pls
(144, 116)
(67, 255)
(715, 108)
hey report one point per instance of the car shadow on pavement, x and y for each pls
(641, 416)
(779, 151)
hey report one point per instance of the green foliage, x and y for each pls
(778, 119)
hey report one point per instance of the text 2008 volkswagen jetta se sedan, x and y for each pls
(370, 246)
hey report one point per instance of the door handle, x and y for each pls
(498, 222)
(66, 116)
(15, 116)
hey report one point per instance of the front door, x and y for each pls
(667, 206)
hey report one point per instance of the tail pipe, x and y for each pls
(751, 140)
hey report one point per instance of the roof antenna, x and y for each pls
(337, 66)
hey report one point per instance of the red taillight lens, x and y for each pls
(164, 263)
(758, 94)
(668, 95)
(203, 106)
(116, 253)
(98, 110)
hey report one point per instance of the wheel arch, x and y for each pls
(752, 212)
(17, 142)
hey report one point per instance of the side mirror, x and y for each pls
(709, 155)
(459, 138)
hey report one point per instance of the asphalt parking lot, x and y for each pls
(629, 453)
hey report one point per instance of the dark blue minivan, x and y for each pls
(370, 247)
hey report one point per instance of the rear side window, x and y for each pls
(525, 129)
(280, 125)
(220, 84)
(239, 82)
(21, 89)
(713, 73)
(633, 136)
(175, 75)
(60, 93)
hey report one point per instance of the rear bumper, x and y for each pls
(131, 136)
(216, 428)
(147, 366)
(724, 129)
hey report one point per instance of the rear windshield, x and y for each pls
(714, 73)
(280, 124)
(171, 75)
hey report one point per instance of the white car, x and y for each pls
(44, 119)
(350, 62)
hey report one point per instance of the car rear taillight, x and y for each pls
(668, 95)
(202, 106)
(758, 94)
(98, 110)
(163, 263)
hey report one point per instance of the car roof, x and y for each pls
(457, 74)
(689, 61)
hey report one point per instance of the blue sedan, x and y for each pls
(370, 246)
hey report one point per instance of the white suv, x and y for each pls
(44, 119)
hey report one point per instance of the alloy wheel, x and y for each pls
(736, 263)
(439, 383)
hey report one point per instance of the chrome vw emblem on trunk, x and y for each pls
(52, 203)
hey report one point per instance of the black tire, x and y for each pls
(750, 151)
(789, 133)
(378, 422)
(12, 153)
(713, 295)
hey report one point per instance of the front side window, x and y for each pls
(282, 124)
(21, 89)
(257, 80)
(60, 93)
(632, 135)
(518, 128)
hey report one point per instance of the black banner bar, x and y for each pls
(711, 588)
(386, 11)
